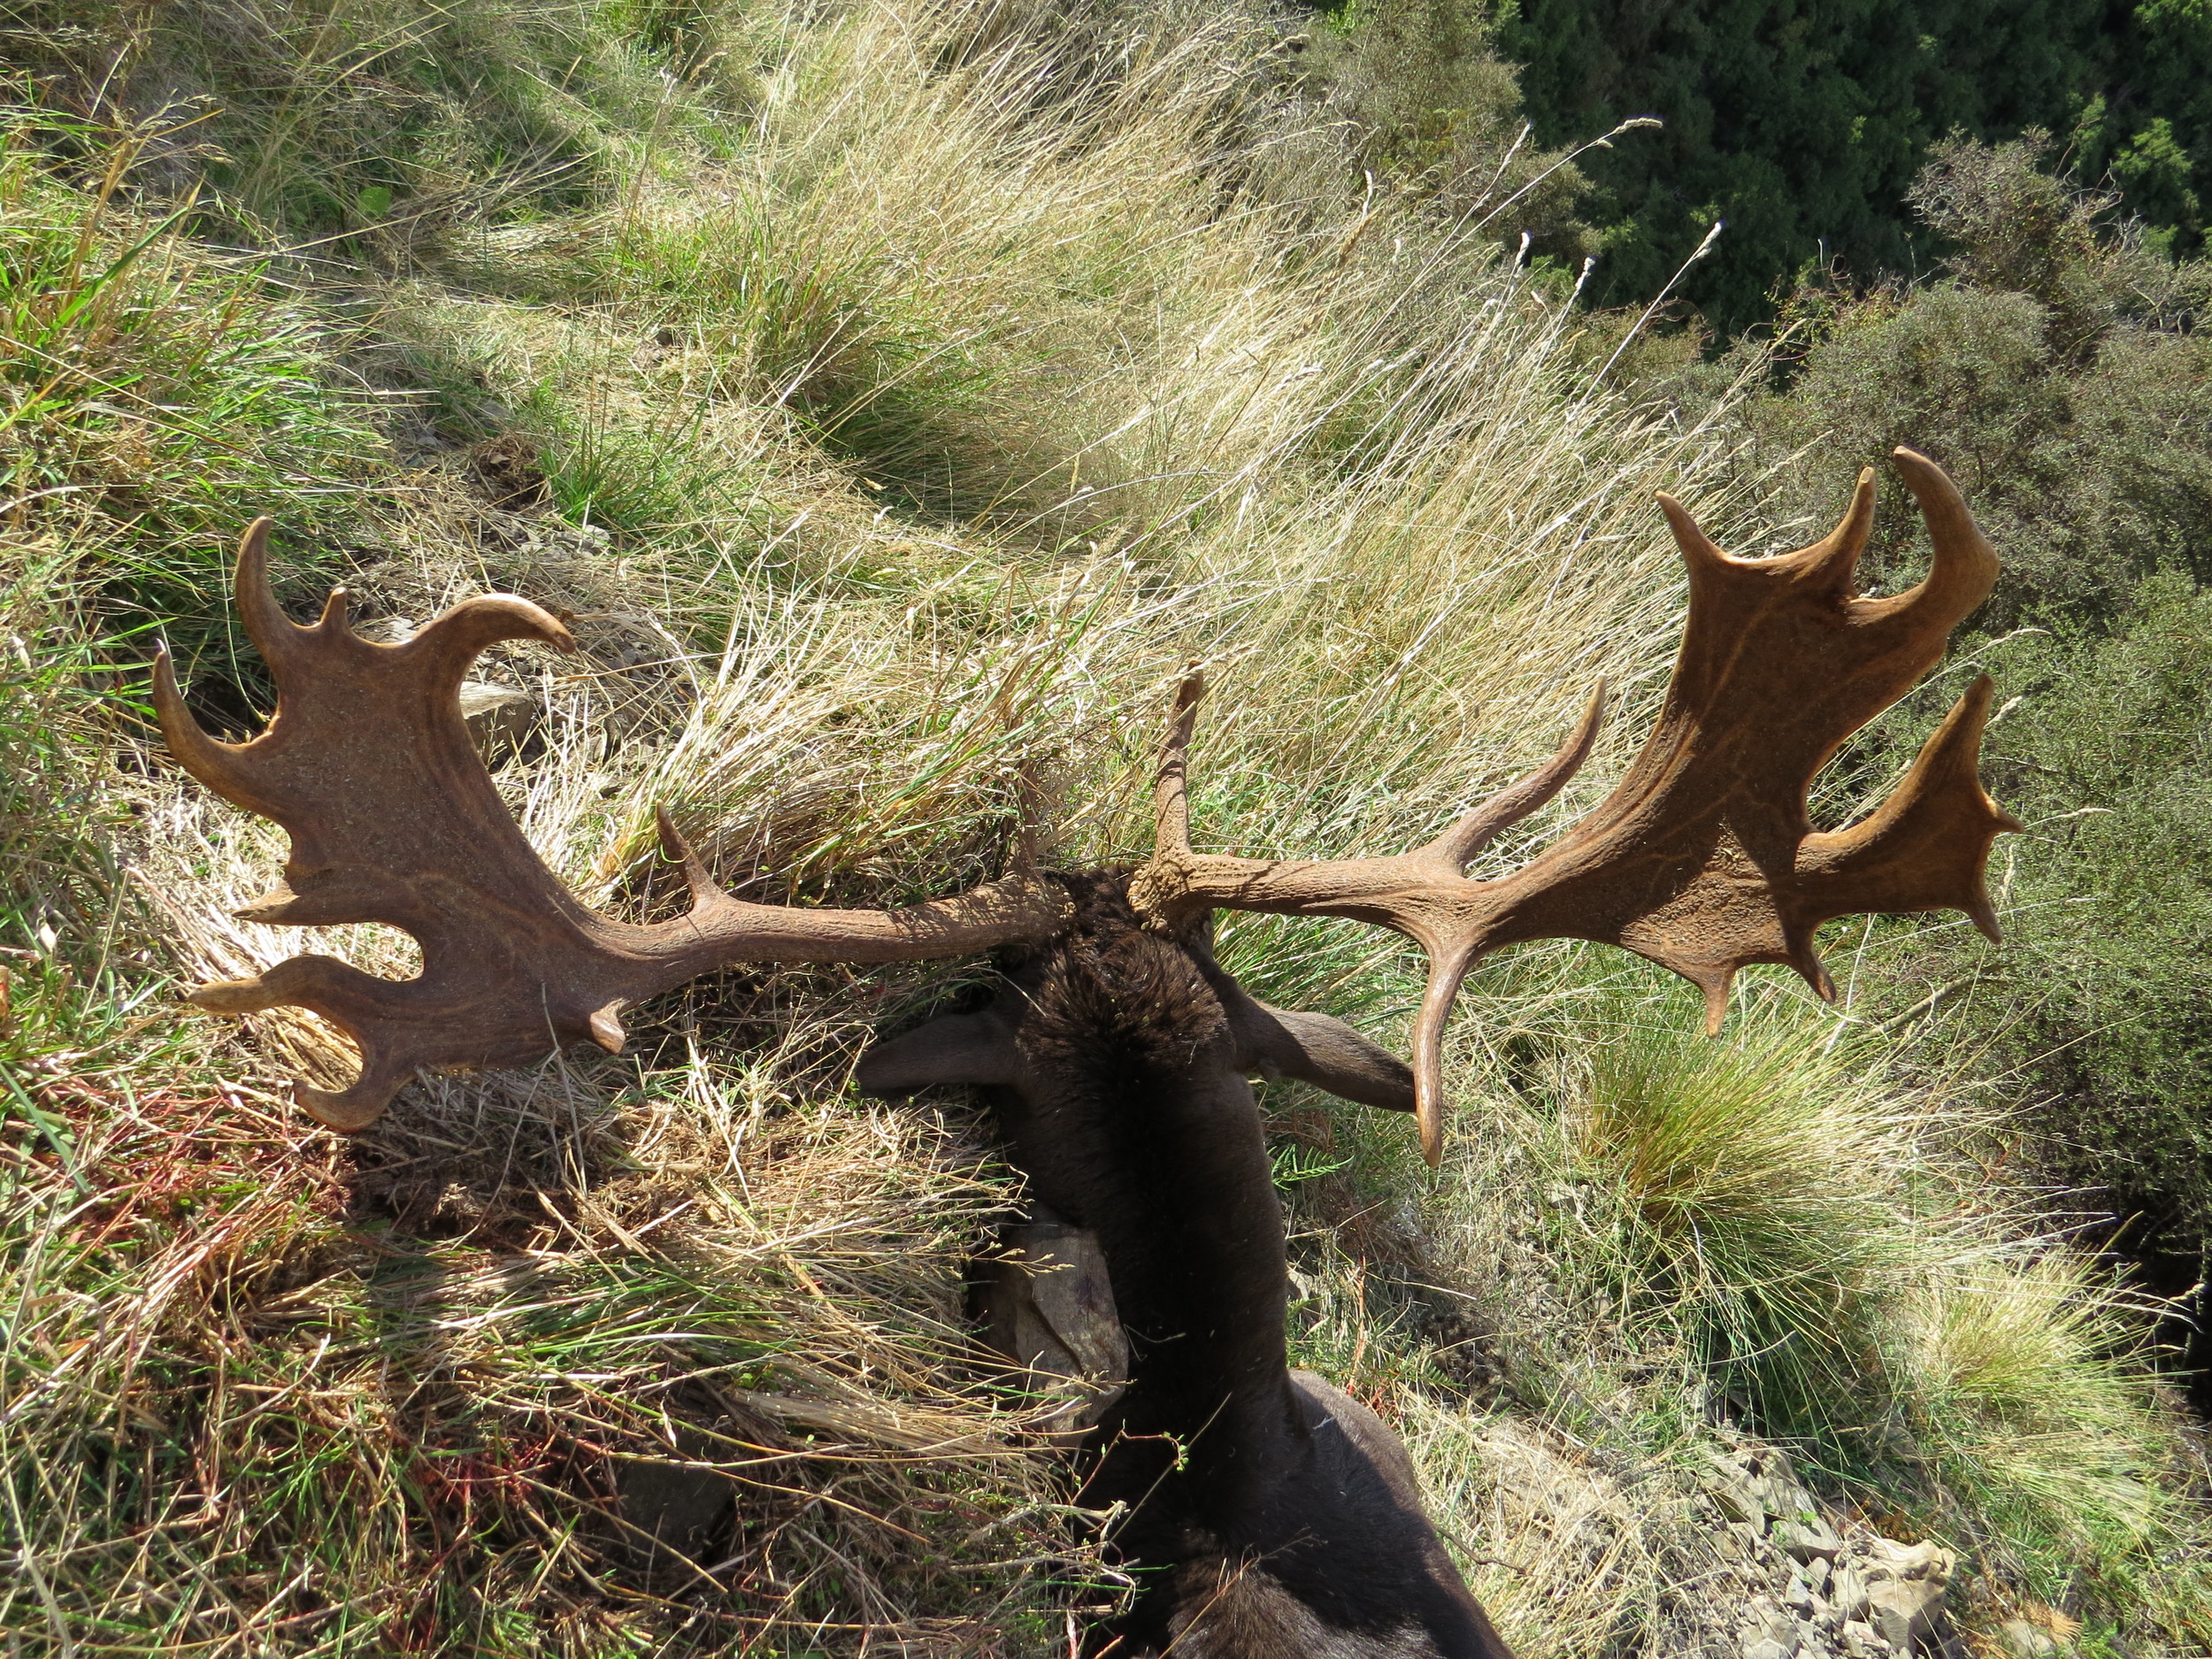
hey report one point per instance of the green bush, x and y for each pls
(2107, 964)
(2057, 371)
(2057, 368)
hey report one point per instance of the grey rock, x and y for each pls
(2022, 1641)
(1905, 1586)
(1047, 1304)
(1769, 1630)
(1739, 1498)
(1887, 1558)
(1808, 1538)
(497, 716)
(673, 1508)
(1847, 1593)
(674, 1505)
(1907, 1613)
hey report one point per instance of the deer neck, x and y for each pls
(1134, 1121)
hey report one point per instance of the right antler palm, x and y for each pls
(1702, 858)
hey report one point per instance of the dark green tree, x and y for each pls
(1802, 123)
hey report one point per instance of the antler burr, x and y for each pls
(394, 820)
(1702, 858)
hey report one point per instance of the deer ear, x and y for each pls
(957, 1048)
(1319, 1049)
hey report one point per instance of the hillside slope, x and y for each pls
(893, 398)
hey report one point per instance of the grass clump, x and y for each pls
(1797, 1223)
(156, 387)
(1761, 1183)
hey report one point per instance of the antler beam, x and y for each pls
(1702, 858)
(393, 819)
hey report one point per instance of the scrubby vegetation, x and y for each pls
(894, 398)
(1804, 128)
(2058, 366)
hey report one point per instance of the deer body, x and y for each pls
(1268, 1513)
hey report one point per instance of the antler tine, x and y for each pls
(1458, 845)
(697, 880)
(273, 633)
(1702, 857)
(394, 820)
(1170, 787)
(1964, 565)
(1178, 884)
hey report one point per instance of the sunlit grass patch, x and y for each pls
(2026, 1393)
(157, 391)
(1767, 1187)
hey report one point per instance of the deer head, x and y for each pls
(1702, 858)
(394, 820)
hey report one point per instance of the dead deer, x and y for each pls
(1276, 1515)
(1265, 1513)
(1268, 1514)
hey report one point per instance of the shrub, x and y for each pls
(2101, 1000)
(2055, 369)
(2059, 368)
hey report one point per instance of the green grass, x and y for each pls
(915, 398)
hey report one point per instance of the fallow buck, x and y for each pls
(1266, 1513)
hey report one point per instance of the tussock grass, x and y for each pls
(916, 390)
(1642, 1239)
(1766, 1188)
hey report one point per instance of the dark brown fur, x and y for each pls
(1266, 1514)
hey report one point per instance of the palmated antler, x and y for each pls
(394, 820)
(1701, 859)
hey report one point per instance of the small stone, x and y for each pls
(1046, 1303)
(1783, 1495)
(1808, 1538)
(1737, 1494)
(497, 716)
(1905, 1612)
(1905, 1585)
(1765, 1625)
(1887, 1558)
(1766, 1649)
(1814, 1574)
(2022, 1641)
(1847, 1593)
